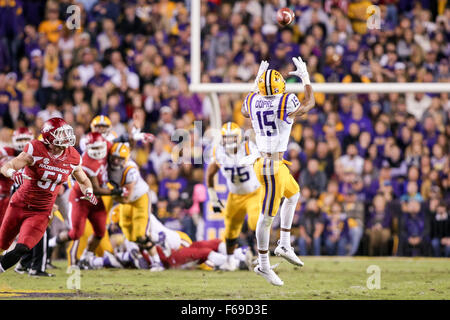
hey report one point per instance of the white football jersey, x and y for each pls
(240, 179)
(164, 236)
(269, 116)
(128, 174)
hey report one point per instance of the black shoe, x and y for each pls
(51, 266)
(38, 273)
(20, 269)
(84, 264)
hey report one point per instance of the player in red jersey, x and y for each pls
(47, 164)
(20, 138)
(94, 161)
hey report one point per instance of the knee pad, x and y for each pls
(294, 199)
(265, 221)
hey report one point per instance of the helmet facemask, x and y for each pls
(97, 150)
(19, 142)
(63, 137)
(230, 142)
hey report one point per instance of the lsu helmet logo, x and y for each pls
(271, 82)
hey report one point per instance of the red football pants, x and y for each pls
(29, 224)
(80, 210)
(197, 251)
(3, 205)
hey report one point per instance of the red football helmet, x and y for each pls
(21, 137)
(96, 145)
(57, 132)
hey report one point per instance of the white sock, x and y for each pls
(263, 227)
(222, 248)
(156, 259)
(230, 257)
(286, 216)
(52, 242)
(263, 259)
(216, 258)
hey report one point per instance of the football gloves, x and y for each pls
(216, 204)
(301, 71)
(262, 68)
(18, 177)
(89, 196)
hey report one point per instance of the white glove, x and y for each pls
(216, 204)
(262, 68)
(301, 71)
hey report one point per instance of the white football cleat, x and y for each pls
(288, 254)
(157, 267)
(230, 265)
(269, 275)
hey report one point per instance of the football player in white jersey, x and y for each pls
(243, 186)
(272, 113)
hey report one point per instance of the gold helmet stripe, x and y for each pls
(117, 150)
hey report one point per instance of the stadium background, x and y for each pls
(373, 168)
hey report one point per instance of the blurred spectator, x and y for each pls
(440, 231)
(414, 231)
(354, 210)
(378, 227)
(312, 224)
(336, 232)
(313, 178)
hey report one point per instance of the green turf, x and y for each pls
(320, 278)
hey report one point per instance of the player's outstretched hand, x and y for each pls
(262, 68)
(89, 196)
(217, 206)
(18, 177)
(301, 70)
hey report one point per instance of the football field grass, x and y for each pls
(320, 278)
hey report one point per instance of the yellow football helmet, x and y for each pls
(271, 82)
(101, 124)
(119, 154)
(231, 136)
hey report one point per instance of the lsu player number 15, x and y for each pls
(272, 112)
(243, 187)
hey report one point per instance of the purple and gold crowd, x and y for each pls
(374, 169)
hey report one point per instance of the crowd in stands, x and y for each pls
(374, 169)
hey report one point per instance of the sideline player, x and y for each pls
(20, 138)
(244, 187)
(47, 165)
(94, 162)
(135, 206)
(272, 113)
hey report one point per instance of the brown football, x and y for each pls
(285, 16)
